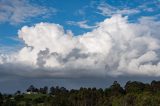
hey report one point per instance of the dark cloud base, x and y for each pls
(12, 84)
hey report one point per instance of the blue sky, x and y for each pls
(65, 41)
(60, 12)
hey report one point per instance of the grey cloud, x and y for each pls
(42, 55)
(75, 53)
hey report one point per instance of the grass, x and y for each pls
(34, 96)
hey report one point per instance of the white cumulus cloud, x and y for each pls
(116, 47)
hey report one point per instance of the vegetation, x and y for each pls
(134, 93)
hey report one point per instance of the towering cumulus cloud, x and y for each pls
(116, 47)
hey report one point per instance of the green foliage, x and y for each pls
(34, 96)
(134, 94)
(134, 87)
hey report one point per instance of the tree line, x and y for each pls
(134, 93)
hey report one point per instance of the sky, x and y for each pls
(78, 42)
